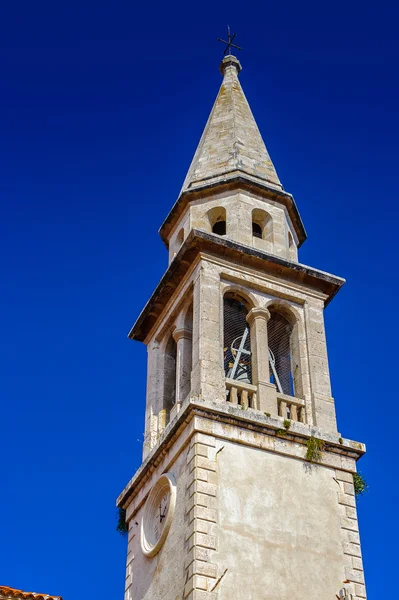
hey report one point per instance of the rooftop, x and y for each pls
(9, 592)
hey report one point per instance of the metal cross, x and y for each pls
(229, 43)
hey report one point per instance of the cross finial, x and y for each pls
(229, 43)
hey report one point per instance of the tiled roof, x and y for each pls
(8, 592)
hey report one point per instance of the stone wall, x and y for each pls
(254, 519)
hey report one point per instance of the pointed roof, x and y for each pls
(231, 155)
(231, 143)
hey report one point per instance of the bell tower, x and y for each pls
(246, 485)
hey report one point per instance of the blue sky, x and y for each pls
(101, 107)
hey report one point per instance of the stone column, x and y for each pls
(323, 403)
(207, 378)
(183, 339)
(267, 395)
(153, 395)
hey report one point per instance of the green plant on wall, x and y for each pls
(359, 484)
(314, 449)
(122, 526)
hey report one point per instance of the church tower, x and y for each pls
(246, 488)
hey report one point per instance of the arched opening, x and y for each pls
(262, 225)
(256, 230)
(219, 228)
(169, 383)
(180, 238)
(236, 340)
(187, 360)
(291, 246)
(279, 333)
(217, 220)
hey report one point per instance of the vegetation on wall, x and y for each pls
(122, 526)
(359, 484)
(315, 448)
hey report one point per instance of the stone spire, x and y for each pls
(231, 144)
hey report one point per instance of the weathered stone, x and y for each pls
(256, 512)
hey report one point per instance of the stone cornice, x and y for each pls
(213, 417)
(200, 241)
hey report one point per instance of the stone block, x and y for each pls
(349, 489)
(350, 524)
(360, 590)
(354, 575)
(346, 500)
(344, 476)
(203, 568)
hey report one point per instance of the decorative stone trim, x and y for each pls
(353, 574)
(129, 566)
(244, 427)
(182, 333)
(258, 313)
(201, 519)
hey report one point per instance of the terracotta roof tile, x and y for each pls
(9, 592)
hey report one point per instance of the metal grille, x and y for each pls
(237, 341)
(279, 338)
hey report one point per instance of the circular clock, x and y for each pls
(158, 514)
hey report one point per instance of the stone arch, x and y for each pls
(247, 297)
(217, 220)
(291, 247)
(188, 317)
(262, 224)
(283, 331)
(169, 379)
(237, 356)
(290, 312)
(180, 238)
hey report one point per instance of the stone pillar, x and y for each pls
(267, 395)
(183, 339)
(322, 401)
(153, 395)
(207, 378)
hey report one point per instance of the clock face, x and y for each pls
(158, 514)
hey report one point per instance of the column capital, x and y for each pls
(258, 313)
(179, 334)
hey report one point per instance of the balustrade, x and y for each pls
(291, 408)
(240, 393)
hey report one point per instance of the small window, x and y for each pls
(256, 230)
(180, 237)
(219, 228)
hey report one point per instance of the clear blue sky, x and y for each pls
(101, 107)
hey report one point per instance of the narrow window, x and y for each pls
(219, 228)
(291, 246)
(237, 341)
(262, 225)
(279, 337)
(180, 238)
(169, 384)
(256, 230)
(217, 220)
